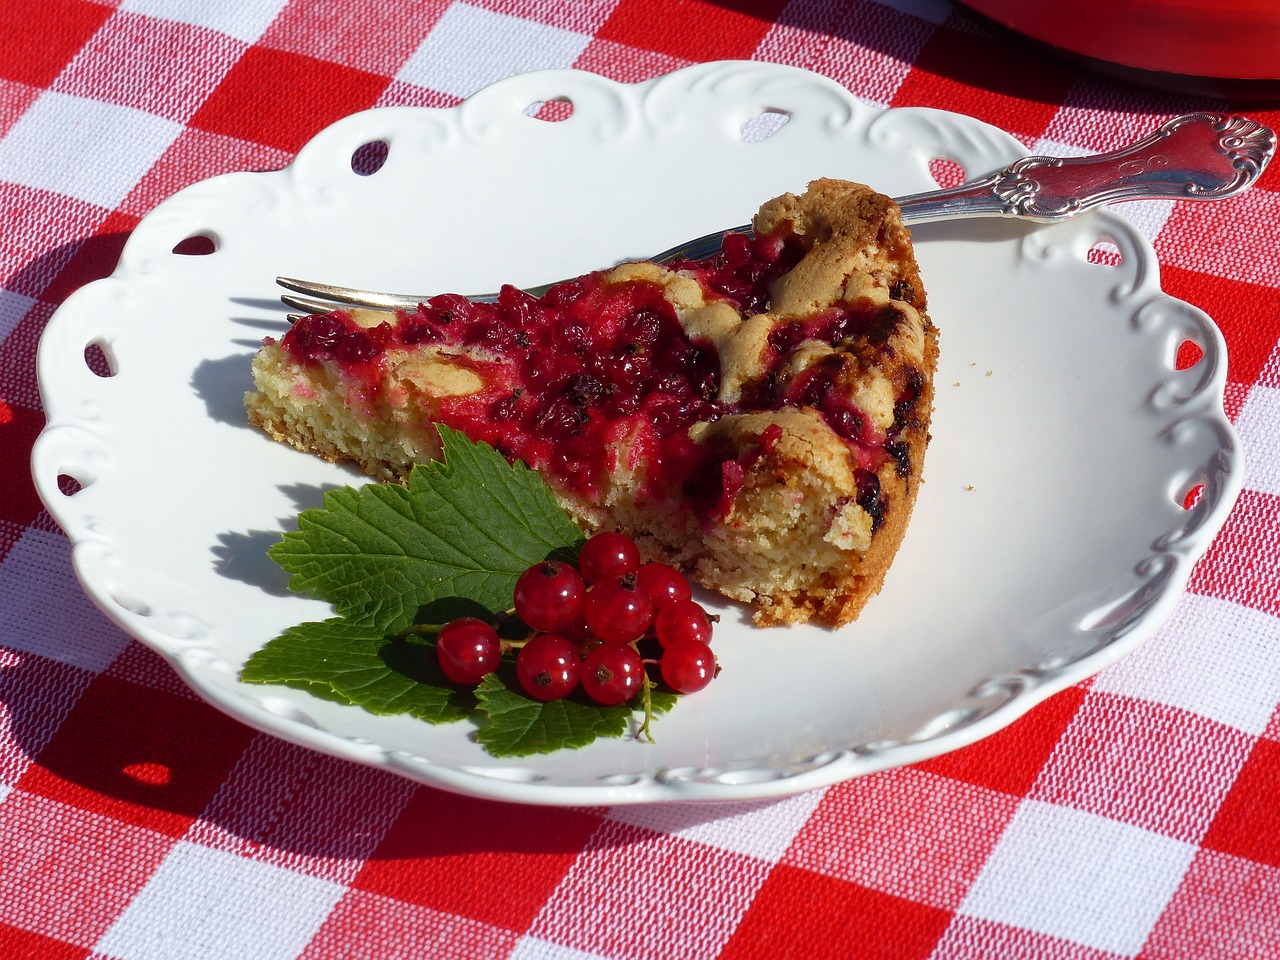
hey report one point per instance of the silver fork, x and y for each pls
(1198, 156)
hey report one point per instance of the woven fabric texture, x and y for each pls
(1136, 815)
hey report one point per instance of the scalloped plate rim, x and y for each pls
(837, 764)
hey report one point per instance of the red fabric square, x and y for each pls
(344, 32)
(1144, 763)
(1248, 315)
(913, 834)
(971, 938)
(1233, 398)
(19, 944)
(19, 502)
(493, 862)
(692, 29)
(1222, 238)
(638, 905)
(15, 99)
(626, 64)
(94, 259)
(581, 16)
(10, 533)
(42, 230)
(75, 871)
(1226, 909)
(197, 155)
(1272, 732)
(1011, 759)
(35, 695)
(283, 99)
(1243, 562)
(1248, 822)
(138, 755)
(38, 37)
(160, 66)
(300, 810)
(401, 94)
(141, 665)
(18, 386)
(394, 930)
(799, 915)
(1008, 85)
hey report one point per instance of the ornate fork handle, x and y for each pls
(1202, 156)
(1198, 156)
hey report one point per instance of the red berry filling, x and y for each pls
(590, 369)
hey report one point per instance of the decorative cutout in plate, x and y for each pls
(1050, 536)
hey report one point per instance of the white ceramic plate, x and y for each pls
(1049, 538)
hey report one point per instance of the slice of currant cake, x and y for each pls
(758, 419)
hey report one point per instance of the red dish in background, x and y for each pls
(1172, 42)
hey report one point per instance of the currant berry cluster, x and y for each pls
(587, 624)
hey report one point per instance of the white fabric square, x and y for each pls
(1070, 874)
(1257, 428)
(243, 19)
(35, 580)
(13, 307)
(1213, 658)
(203, 904)
(534, 948)
(762, 829)
(93, 151)
(470, 48)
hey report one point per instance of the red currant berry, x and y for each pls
(548, 667)
(688, 666)
(662, 583)
(682, 620)
(608, 554)
(549, 595)
(612, 673)
(579, 634)
(617, 611)
(468, 649)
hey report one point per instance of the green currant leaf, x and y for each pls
(361, 664)
(449, 543)
(466, 527)
(519, 726)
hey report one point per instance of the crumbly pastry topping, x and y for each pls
(759, 418)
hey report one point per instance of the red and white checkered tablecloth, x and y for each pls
(1134, 815)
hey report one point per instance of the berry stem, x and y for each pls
(415, 628)
(644, 733)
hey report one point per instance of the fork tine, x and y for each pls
(307, 305)
(349, 295)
